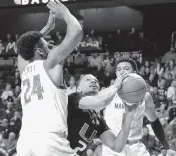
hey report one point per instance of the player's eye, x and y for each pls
(127, 68)
(118, 69)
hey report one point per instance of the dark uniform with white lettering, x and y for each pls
(83, 125)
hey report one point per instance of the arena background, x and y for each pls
(154, 25)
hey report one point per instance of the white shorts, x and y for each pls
(137, 149)
(42, 145)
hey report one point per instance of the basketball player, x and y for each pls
(43, 96)
(85, 124)
(114, 113)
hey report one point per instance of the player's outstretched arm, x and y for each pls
(103, 98)
(155, 123)
(50, 25)
(118, 143)
(73, 36)
(99, 101)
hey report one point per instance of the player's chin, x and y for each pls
(94, 91)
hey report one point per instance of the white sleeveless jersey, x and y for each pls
(113, 115)
(44, 105)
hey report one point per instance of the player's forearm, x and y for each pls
(107, 95)
(74, 29)
(99, 101)
(45, 31)
(121, 139)
(159, 132)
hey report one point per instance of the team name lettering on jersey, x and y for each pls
(29, 69)
(119, 105)
(85, 137)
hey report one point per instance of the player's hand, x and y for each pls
(51, 21)
(60, 10)
(119, 80)
(171, 152)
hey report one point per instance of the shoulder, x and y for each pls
(74, 95)
(74, 98)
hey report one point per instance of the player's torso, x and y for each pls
(113, 115)
(83, 127)
(44, 105)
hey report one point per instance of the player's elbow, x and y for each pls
(116, 148)
(79, 33)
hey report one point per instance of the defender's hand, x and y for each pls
(60, 10)
(51, 21)
(119, 80)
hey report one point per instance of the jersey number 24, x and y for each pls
(37, 88)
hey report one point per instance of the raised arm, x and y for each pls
(99, 101)
(117, 143)
(103, 98)
(50, 25)
(73, 36)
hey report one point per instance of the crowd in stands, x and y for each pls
(160, 75)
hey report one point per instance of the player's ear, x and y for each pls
(40, 52)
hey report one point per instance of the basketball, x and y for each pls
(133, 89)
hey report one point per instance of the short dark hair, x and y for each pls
(129, 60)
(26, 43)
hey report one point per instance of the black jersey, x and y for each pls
(83, 125)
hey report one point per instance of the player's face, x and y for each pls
(123, 68)
(89, 84)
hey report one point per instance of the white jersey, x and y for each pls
(44, 105)
(113, 115)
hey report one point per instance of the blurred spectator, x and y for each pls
(153, 80)
(7, 92)
(78, 59)
(148, 140)
(132, 39)
(160, 69)
(172, 126)
(163, 152)
(10, 143)
(162, 112)
(169, 80)
(9, 37)
(72, 86)
(3, 114)
(95, 61)
(171, 92)
(17, 77)
(3, 152)
(4, 128)
(170, 55)
(16, 122)
(58, 38)
(162, 89)
(17, 91)
(155, 97)
(172, 113)
(10, 111)
(170, 68)
(2, 145)
(17, 37)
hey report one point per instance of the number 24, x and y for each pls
(37, 88)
